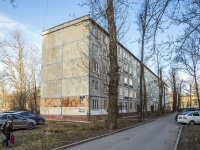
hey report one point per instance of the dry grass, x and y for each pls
(56, 133)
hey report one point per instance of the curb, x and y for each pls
(100, 136)
(177, 139)
(104, 135)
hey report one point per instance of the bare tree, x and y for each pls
(15, 61)
(149, 22)
(111, 15)
(188, 57)
(186, 13)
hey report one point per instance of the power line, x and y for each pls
(45, 16)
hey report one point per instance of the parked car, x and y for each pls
(181, 110)
(27, 114)
(189, 118)
(19, 122)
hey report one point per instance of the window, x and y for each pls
(126, 80)
(131, 94)
(125, 55)
(195, 102)
(105, 88)
(104, 39)
(195, 114)
(95, 104)
(130, 70)
(94, 31)
(131, 105)
(126, 105)
(120, 91)
(95, 85)
(96, 67)
(95, 49)
(126, 67)
(104, 54)
(130, 82)
(135, 95)
(31, 115)
(119, 50)
(126, 93)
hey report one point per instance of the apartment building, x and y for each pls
(75, 69)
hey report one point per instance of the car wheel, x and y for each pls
(30, 126)
(191, 122)
(41, 122)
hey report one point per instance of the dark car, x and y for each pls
(27, 114)
(19, 122)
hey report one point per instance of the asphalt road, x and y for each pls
(157, 135)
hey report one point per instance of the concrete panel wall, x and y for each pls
(57, 38)
(52, 72)
(47, 41)
(50, 110)
(75, 86)
(77, 67)
(51, 89)
(76, 49)
(52, 55)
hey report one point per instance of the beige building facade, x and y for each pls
(74, 73)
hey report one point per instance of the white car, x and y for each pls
(189, 118)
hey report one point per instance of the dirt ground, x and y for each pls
(190, 138)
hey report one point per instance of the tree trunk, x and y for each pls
(114, 69)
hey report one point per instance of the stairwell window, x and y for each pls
(95, 49)
(104, 39)
(95, 85)
(94, 31)
(96, 67)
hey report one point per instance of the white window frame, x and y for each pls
(119, 50)
(94, 31)
(95, 104)
(126, 80)
(125, 105)
(130, 70)
(95, 49)
(135, 95)
(126, 67)
(104, 53)
(125, 92)
(131, 94)
(125, 54)
(105, 40)
(130, 81)
(96, 67)
(120, 91)
(95, 85)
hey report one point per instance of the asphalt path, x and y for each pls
(160, 134)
